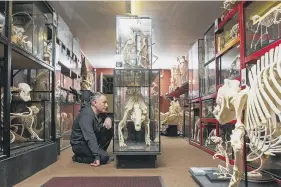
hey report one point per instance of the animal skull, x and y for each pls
(137, 116)
(25, 91)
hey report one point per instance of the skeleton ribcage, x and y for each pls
(264, 106)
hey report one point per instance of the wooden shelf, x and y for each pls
(228, 46)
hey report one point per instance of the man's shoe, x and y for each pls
(74, 158)
(111, 158)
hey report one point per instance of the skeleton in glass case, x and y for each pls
(234, 31)
(273, 18)
(136, 109)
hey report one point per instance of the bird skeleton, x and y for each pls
(262, 104)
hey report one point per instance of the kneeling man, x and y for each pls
(92, 132)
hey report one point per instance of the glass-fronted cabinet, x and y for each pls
(196, 62)
(210, 78)
(229, 64)
(208, 108)
(209, 44)
(228, 35)
(31, 30)
(195, 122)
(208, 130)
(262, 24)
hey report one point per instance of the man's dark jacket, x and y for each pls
(85, 127)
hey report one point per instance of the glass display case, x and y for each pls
(134, 47)
(208, 131)
(30, 118)
(208, 108)
(195, 122)
(209, 44)
(196, 62)
(210, 78)
(31, 30)
(229, 64)
(228, 35)
(262, 24)
(136, 111)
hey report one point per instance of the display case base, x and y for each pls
(136, 161)
(26, 161)
(199, 175)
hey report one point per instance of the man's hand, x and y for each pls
(107, 123)
(96, 163)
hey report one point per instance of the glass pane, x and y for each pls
(29, 29)
(140, 99)
(209, 42)
(210, 78)
(186, 123)
(208, 108)
(134, 42)
(195, 123)
(263, 24)
(230, 64)
(208, 131)
(30, 108)
(229, 33)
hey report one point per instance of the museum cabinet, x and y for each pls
(136, 141)
(28, 128)
(246, 32)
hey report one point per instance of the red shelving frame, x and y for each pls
(244, 60)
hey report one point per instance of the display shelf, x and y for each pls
(22, 59)
(228, 46)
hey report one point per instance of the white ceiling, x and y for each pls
(176, 25)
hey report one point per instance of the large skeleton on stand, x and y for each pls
(262, 102)
(136, 109)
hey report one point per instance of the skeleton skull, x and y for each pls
(25, 91)
(137, 116)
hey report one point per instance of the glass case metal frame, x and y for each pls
(139, 147)
(12, 54)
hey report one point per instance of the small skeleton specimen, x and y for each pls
(27, 120)
(227, 4)
(223, 172)
(272, 18)
(234, 31)
(234, 69)
(136, 109)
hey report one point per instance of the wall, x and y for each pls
(164, 85)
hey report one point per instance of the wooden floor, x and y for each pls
(177, 156)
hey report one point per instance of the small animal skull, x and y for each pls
(25, 91)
